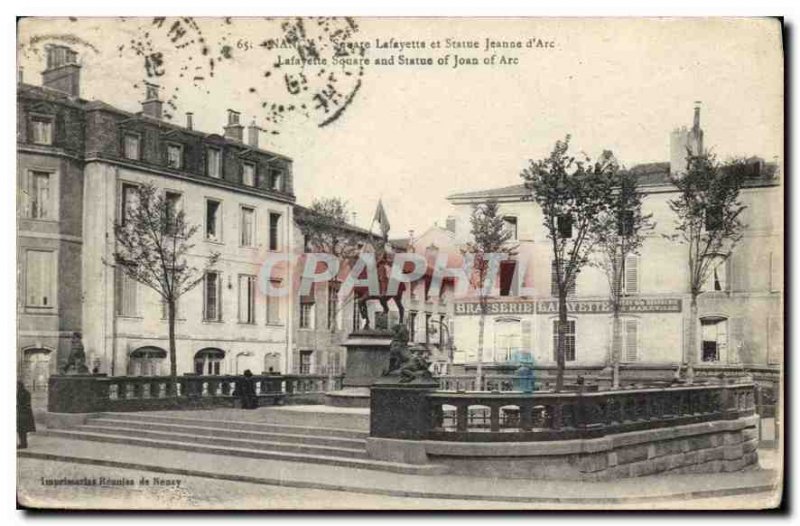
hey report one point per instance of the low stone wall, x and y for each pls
(708, 447)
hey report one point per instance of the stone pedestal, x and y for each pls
(400, 410)
(75, 393)
(367, 359)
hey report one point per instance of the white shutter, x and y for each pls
(722, 340)
(632, 275)
(631, 339)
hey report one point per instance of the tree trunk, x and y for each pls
(173, 365)
(691, 351)
(616, 348)
(561, 340)
(481, 327)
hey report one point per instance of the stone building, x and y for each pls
(79, 165)
(740, 312)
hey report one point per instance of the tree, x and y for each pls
(152, 244)
(572, 194)
(620, 232)
(708, 222)
(490, 241)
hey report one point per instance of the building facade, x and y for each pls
(740, 311)
(239, 195)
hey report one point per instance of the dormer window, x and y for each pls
(41, 129)
(275, 179)
(214, 163)
(132, 146)
(248, 174)
(175, 156)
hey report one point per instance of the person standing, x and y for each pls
(25, 422)
(246, 389)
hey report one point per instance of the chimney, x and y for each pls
(252, 134)
(234, 130)
(152, 104)
(19, 75)
(189, 121)
(62, 72)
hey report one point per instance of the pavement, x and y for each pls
(209, 481)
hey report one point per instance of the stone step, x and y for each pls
(376, 465)
(214, 431)
(239, 425)
(298, 447)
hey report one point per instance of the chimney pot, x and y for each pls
(19, 75)
(234, 130)
(189, 120)
(152, 105)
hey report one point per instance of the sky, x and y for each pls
(412, 134)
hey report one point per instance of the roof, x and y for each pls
(301, 211)
(50, 94)
(648, 174)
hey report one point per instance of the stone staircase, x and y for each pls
(273, 441)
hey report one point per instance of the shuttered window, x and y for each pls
(247, 299)
(631, 282)
(39, 279)
(212, 311)
(247, 226)
(569, 343)
(630, 335)
(40, 196)
(126, 295)
(273, 304)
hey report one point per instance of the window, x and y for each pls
(274, 305)
(40, 196)
(507, 271)
(211, 310)
(511, 225)
(507, 338)
(247, 299)
(569, 341)
(39, 279)
(274, 223)
(247, 226)
(427, 328)
(305, 362)
(564, 226)
(714, 217)
(625, 226)
(172, 200)
(42, 130)
(333, 305)
(248, 174)
(127, 289)
(131, 147)
(412, 326)
(213, 163)
(306, 314)
(717, 279)
(554, 282)
(334, 362)
(129, 200)
(442, 328)
(275, 179)
(209, 361)
(630, 273)
(714, 339)
(630, 339)
(146, 361)
(175, 156)
(165, 311)
(213, 220)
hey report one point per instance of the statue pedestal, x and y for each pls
(367, 359)
(400, 410)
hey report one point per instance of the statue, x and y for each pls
(384, 258)
(407, 363)
(76, 362)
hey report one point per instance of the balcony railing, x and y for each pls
(501, 417)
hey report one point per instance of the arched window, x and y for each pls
(36, 369)
(209, 361)
(146, 361)
(714, 338)
(272, 362)
(507, 338)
